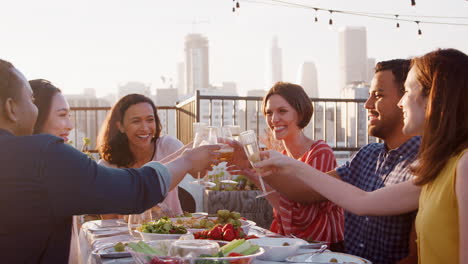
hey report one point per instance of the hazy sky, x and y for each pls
(102, 43)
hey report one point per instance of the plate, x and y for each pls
(109, 252)
(325, 257)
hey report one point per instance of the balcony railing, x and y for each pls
(340, 122)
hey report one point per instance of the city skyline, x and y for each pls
(105, 44)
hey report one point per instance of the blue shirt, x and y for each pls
(380, 239)
(43, 182)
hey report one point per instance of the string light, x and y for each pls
(397, 23)
(330, 22)
(413, 3)
(419, 30)
(316, 18)
(233, 9)
(237, 4)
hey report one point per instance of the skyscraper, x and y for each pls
(307, 78)
(275, 64)
(196, 63)
(352, 53)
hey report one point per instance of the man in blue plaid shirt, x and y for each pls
(381, 239)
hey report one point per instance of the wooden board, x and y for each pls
(244, 202)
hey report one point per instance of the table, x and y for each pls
(95, 235)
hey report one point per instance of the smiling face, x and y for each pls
(385, 118)
(58, 121)
(414, 105)
(281, 118)
(139, 125)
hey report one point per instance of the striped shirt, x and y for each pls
(321, 221)
(380, 239)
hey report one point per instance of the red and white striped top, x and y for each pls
(323, 221)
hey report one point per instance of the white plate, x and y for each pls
(325, 257)
(275, 250)
(155, 236)
(109, 252)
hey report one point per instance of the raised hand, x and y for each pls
(239, 159)
(275, 163)
(201, 158)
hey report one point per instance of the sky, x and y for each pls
(101, 44)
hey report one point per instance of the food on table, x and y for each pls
(196, 222)
(162, 226)
(225, 232)
(227, 217)
(223, 217)
(193, 248)
(285, 244)
(120, 247)
(142, 247)
(233, 249)
(334, 260)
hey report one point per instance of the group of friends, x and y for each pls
(404, 200)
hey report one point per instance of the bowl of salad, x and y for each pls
(194, 252)
(163, 228)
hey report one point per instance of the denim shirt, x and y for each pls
(380, 239)
(43, 182)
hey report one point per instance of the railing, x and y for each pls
(340, 122)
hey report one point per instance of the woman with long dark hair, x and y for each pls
(131, 136)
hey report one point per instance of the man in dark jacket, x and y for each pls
(44, 182)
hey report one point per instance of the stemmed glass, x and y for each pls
(227, 151)
(204, 135)
(249, 141)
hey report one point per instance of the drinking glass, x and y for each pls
(227, 152)
(235, 131)
(249, 141)
(135, 220)
(205, 135)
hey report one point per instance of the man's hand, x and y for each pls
(201, 158)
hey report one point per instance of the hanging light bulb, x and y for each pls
(397, 23)
(330, 21)
(419, 30)
(237, 4)
(413, 3)
(316, 18)
(233, 9)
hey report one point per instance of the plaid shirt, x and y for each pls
(380, 239)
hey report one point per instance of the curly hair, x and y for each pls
(113, 145)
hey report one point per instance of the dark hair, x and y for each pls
(6, 88)
(399, 68)
(295, 96)
(443, 75)
(43, 91)
(112, 144)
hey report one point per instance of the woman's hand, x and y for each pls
(275, 163)
(239, 159)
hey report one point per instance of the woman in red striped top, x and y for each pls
(287, 110)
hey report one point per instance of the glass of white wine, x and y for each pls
(249, 141)
(227, 152)
(202, 136)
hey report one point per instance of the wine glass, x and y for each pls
(227, 152)
(135, 220)
(206, 135)
(235, 131)
(249, 141)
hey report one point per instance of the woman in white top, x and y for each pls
(131, 137)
